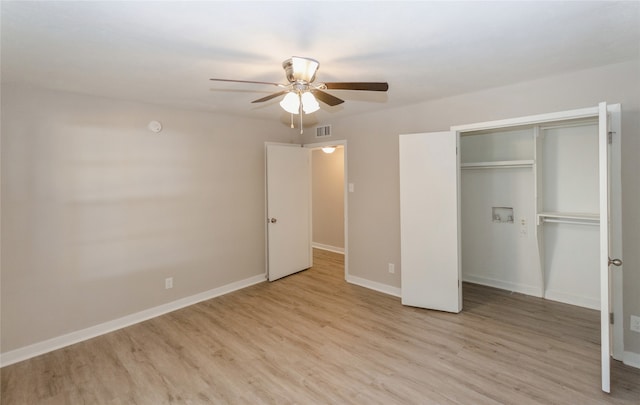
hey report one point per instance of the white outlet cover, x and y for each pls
(635, 323)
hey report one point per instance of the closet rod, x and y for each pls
(567, 221)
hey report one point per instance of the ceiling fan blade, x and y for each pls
(248, 81)
(326, 97)
(369, 86)
(270, 96)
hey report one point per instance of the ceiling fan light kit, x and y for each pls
(301, 94)
(309, 103)
(291, 103)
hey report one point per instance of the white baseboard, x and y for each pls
(503, 285)
(580, 301)
(330, 248)
(372, 285)
(59, 342)
(631, 359)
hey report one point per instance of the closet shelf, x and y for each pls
(503, 164)
(582, 218)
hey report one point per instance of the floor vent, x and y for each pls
(323, 131)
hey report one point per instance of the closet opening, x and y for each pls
(529, 200)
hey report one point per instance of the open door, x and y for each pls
(429, 221)
(615, 230)
(288, 188)
(607, 279)
(603, 162)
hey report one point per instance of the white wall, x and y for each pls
(493, 253)
(97, 210)
(374, 214)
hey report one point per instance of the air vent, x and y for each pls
(323, 131)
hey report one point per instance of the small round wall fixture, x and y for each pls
(155, 126)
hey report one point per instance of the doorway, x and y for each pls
(329, 198)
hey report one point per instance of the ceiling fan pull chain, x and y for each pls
(292, 122)
(301, 129)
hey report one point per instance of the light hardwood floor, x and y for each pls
(311, 338)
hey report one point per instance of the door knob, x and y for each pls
(615, 262)
(273, 221)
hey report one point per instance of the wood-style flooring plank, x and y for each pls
(312, 338)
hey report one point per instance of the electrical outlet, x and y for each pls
(635, 323)
(168, 283)
(392, 268)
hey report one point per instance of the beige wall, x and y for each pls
(328, 197)
(374, 224)
(97, 210)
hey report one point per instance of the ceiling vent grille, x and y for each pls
(323, 131)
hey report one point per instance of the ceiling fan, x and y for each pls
(301, 93)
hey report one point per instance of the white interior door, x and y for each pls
(605, 305)
(288, 186)
(615, 230)
(610, 239)
(429, 221)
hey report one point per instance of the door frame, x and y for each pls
(343, 143)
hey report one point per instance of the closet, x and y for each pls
(521, 204)
(529, 210)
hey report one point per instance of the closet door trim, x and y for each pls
(529, 120)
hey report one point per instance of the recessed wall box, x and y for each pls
(502, 214)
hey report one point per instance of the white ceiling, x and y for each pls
(165, 52)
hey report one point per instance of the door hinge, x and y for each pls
(611, 318)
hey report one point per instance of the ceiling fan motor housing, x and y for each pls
(300, 69)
